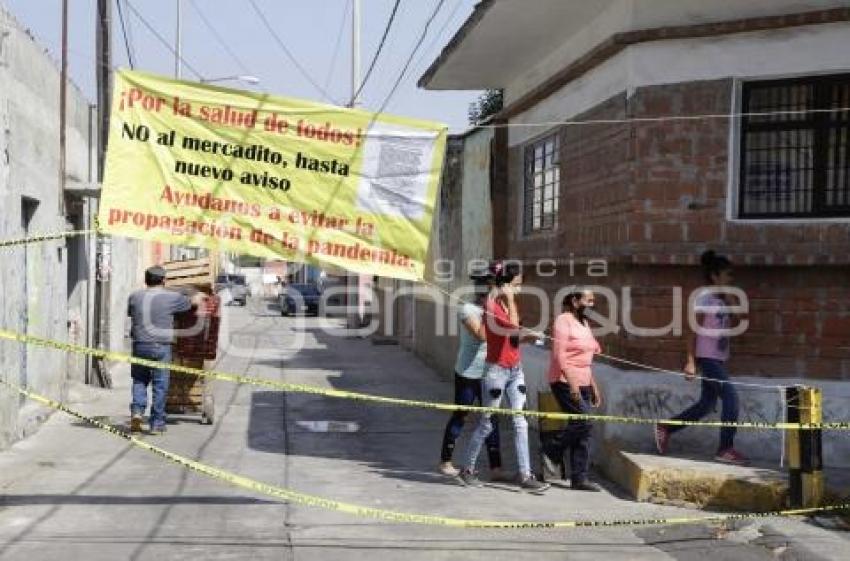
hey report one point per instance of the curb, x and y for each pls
(647, 478)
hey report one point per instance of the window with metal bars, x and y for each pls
(795, 148)
(542, 184)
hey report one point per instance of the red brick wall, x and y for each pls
(650, 197)
(595, 190)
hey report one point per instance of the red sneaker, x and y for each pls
(662, 439)
(731, 456)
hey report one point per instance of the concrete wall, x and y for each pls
(650, 395)
(476, 209)
(34, 278)
(425, 320)
(126, 275)
(663, 62)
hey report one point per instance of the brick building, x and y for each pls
(638, 154)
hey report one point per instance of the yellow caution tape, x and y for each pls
(342, 394)
(305, 499)
(46, 237)
(316, 390)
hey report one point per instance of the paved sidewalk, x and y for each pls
(71, 491)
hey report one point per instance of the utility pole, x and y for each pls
(178, 42)
(355, 53)
(355, 281)
(63, 95)
(103, 74)
(174, 251)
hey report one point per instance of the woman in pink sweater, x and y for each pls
(574, 387)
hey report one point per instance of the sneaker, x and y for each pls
(136, 423)
(469, 478)
(731, 456)
(662, 439)
(158, 431)
(446, 468)
(529, 483)
(586, 486)
(552, 470)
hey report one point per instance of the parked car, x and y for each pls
(296, 298)
(235, 285)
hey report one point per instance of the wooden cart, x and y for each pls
(191, 394)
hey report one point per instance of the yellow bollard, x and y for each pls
(804, 448)
(811, 448)
(792, 447)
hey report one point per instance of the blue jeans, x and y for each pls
(501, 382)
(712, 370)
(156, 377)
(467, 392)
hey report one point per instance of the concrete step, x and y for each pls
(703, 483)
(697, 482)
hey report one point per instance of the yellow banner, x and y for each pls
(243, 172)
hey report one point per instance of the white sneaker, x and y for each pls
(446, 468)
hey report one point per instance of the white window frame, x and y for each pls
(733, 183)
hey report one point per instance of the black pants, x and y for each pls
(468, 392)
(576, 435)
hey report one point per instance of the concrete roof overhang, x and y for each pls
(494, 44)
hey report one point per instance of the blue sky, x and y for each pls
(309, 28)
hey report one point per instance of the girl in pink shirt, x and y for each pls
(708, 351)
(574, 387)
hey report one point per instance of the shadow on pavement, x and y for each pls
(397, 442)
(54, 499)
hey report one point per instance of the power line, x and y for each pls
(220, 39)
(162, 39)
(416, 47)
(377, 52)
(440, 33)
(131, 38)
(288, 53)
(338, 43)
(124, 33)
(672, 118)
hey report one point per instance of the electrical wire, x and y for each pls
(416, 47)
(125, 35)
(218, 37)
(377, 51)
(161, 39)
(666, 118)
(131, 38)
(338, 43)
(642, 366)
(435, 40)
(288, 53)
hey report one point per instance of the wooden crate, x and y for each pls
(187, 393)
(193, 272)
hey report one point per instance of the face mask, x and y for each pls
(581, 312)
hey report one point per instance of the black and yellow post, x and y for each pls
(792, 447)
(811, 447)
(804, 448)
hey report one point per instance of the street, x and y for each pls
(72, 491)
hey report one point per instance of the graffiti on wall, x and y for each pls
(663, 403)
